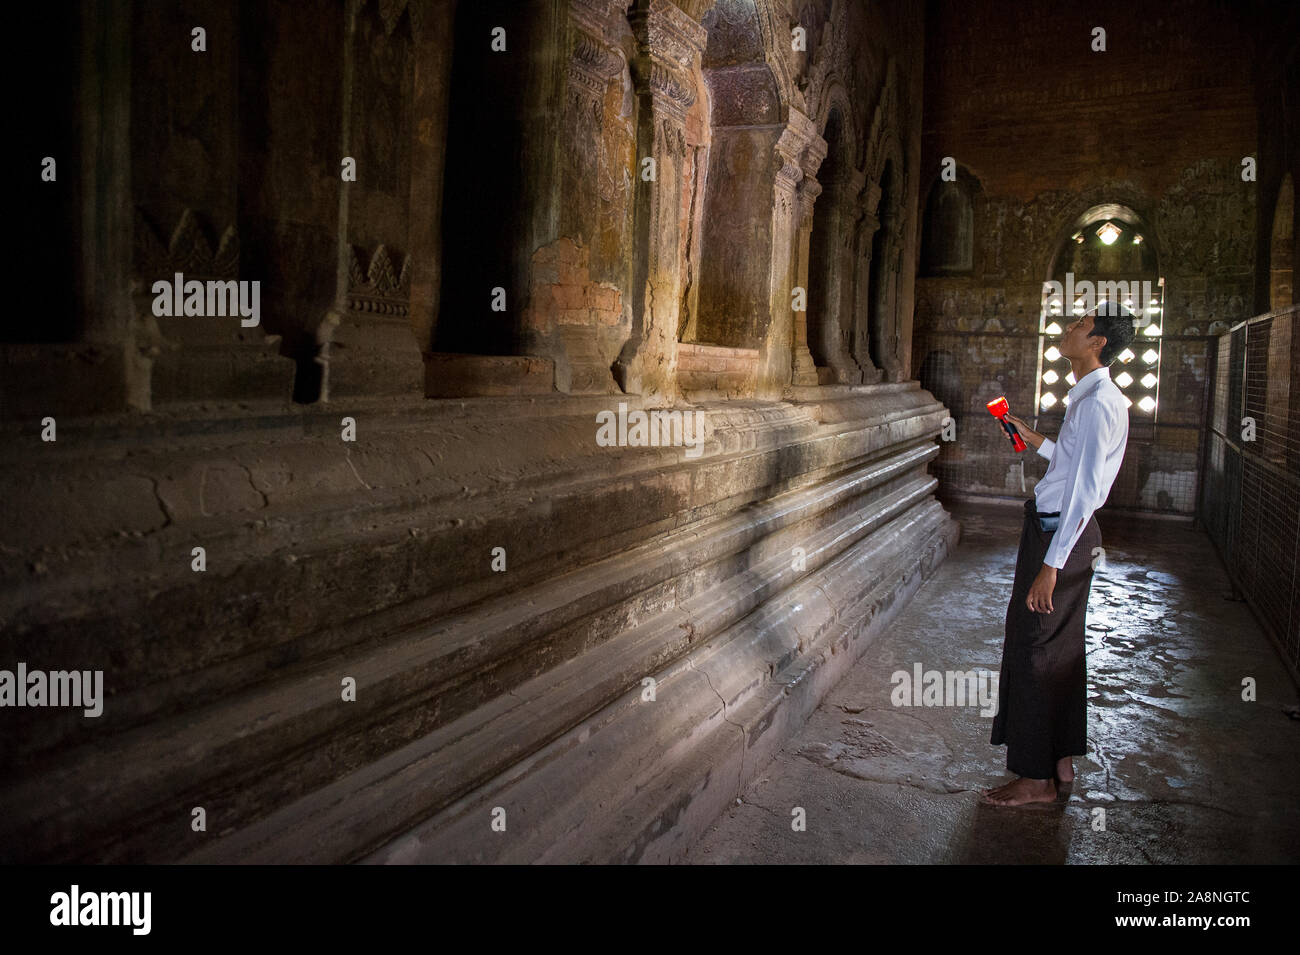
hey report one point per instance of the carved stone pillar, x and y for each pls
(592, 193)
(867, 226)
(432, 100)
(186, 215)
(860, 342)
(832, 324)
(786, 360)
(804, 371)
(776, 368)
(368, 346)
(108, 323)
(669, 42)
(887, 300)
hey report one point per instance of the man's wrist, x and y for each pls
(1048, 569)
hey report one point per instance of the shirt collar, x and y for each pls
(1088, 382)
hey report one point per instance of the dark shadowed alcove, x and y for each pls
(486, 206)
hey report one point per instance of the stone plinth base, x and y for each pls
(373, 355)
(467, 376)
(743, 580)
(715, 370)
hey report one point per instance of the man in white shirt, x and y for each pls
(1042, 705)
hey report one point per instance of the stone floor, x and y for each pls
(1185, 770)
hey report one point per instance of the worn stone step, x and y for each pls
(322, 559)
(340, 819)
(639, 781)
(404, 688)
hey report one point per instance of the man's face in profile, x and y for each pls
(1078, 340)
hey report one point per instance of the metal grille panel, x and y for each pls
(1250, 491)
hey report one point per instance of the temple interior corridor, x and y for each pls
(510, 431)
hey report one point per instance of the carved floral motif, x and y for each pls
(379, 288)
(189, 250)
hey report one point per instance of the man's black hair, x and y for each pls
(1116, 323)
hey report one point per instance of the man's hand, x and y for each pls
(1040, 592)
(1032, 437)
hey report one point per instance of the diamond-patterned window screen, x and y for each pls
(1136, 370)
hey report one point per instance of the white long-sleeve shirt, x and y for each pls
(1084, 458)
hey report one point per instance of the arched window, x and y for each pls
(1106, 257)
(948, 230)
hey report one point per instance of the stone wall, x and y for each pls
(1044, 129)
(365, 570)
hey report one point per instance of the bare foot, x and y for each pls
(1022, 791)
(1065, 769)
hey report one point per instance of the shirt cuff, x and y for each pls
(1046, 448)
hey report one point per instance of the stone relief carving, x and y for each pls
(789, 148)
(189, 250)
(379, 289)
(772, 22)
(673, 137)
(831, 62)
(380, 114)
(884, 126)
(668, 47)
(595, 59)
(1206, 220)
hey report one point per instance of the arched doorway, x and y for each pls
(485, 207)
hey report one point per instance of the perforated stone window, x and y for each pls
(1136, 370)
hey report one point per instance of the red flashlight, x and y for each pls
(998, 408)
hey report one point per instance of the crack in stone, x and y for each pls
(347, 456)
(744, 740)
(830, 603)
(162, 505)
(266, 501)
(1102, 759)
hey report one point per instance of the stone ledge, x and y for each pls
(61, 380)
(758, 450)
(634, 741)
(668, 770)
(457, 376)
(268, 723)
(79, 593)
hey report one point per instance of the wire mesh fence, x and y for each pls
(1250, 489)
